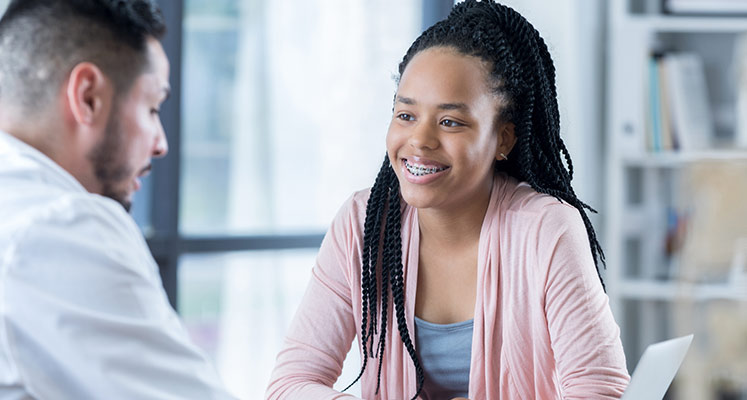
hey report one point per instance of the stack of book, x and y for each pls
(679, 114)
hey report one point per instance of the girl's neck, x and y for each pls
(455, 227)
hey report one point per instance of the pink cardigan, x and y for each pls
(543, 328)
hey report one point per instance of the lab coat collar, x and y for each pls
(16, 154)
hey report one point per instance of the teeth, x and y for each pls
(420, 170)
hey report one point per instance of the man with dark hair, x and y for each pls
(83, 314)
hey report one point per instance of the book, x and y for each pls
(689, 107)
(668, 138)
(654, 105)
(740, 68)
(660, 126)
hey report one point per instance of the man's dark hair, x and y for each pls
(41, 41)
(522, 75)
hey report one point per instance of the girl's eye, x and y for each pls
(405, 117)
(155, 111)
(450, 123)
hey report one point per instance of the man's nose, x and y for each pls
(161, 147)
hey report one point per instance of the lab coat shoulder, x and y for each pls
(84, 312)
(78, 238)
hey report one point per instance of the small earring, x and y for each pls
(504, 156)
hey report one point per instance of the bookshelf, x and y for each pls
(644, 289)
(654, 297)
(678, 159)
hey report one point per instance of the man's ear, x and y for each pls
(89, 95)
(506, 140)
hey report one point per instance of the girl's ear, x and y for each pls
(506, 141)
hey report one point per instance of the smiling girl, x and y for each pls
(470, 268)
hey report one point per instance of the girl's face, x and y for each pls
(445, 133)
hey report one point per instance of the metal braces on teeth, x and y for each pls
(421, 170)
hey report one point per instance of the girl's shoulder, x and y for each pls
(358, 200)
(352, 214)
(521, 200)
(519, 195)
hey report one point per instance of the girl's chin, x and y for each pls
(419, 200)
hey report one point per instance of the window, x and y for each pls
(278, 114)
(285, 108)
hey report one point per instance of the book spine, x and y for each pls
(655, 104)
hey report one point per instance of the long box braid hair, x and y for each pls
(524, 76)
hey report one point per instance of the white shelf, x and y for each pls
(642, 187)
(688, 24)
(678, 159)
(668, 291)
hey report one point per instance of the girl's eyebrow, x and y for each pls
(444, 106)
(453, 106)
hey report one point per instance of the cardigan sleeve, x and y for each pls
(323, 327)
(584, 336)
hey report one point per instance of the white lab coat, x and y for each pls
(83, 314)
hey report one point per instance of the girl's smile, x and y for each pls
(422, 171)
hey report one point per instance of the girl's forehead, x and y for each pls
(443, 73)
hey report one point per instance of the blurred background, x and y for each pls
(279, 112)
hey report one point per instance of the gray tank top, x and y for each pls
(445, 352)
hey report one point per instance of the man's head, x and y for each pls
(82, 81)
